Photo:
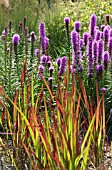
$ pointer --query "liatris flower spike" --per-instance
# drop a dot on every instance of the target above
(40, 68)
(108, 19)
(43, 59)
(32, 36)
(42, 32)
(77, 26)
(100, 50)
(89, 54)
(74, 38)
(25, 19)
(37, 53)
(93, 21)
(66, 21)
(103, 89)
(99, 70)
(85, 37)
(106, 35)
(105, 59)
(10, 26)
(110, 48)
(95, 52)
(16, 39)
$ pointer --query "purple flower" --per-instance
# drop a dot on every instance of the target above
(49, 63)
(25, 18)
(95, 52)
(41, 68)
(99, 70)
(50, 79)
(102, 27)
(10, 25)
(26, 31)
(15, 39)
(110, 33)
(37, 53)
(110, 48)
(89, 54)
(42, 32)
(89, 75)
(51, 68)
(105, 59)
(0, 37)
(77, 26)
(43, 59)
(4, 32)
(85, 37)
(103, 89)
(93, 20)
(48, 59)
(32, 36)
(108, 19)
(100, 50)
(21, 24)
(62, 65)
(97, 35)
(66, 20)
(45, 42)
(81, 43)
(106, 34)
(58, 61)
(80, 68)
(74, 38)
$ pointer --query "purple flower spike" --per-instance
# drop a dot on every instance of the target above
(102, 27)
(50, 79)
(25, 18)
(58, 61)
(108, 19)
(89, 54)
(89, 75)
(105, 59)
(77, 26)
(99, 70)
(93, 21)
(98, 35)
(41, 68)
(4, 32)
(106, 34)
(95, 52)
(100, 50)
(42, 32)
(32, 36)
(62, 65)
(110, 33)
(103, 89)
(37, 53)
(85, 37)
(48, 59)
(51, 68)
(15, 39)
(21, 24)
(45, 43)
(74, 38)
(66, 20)
(110, 48)
(81, 43)
(43, 59)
